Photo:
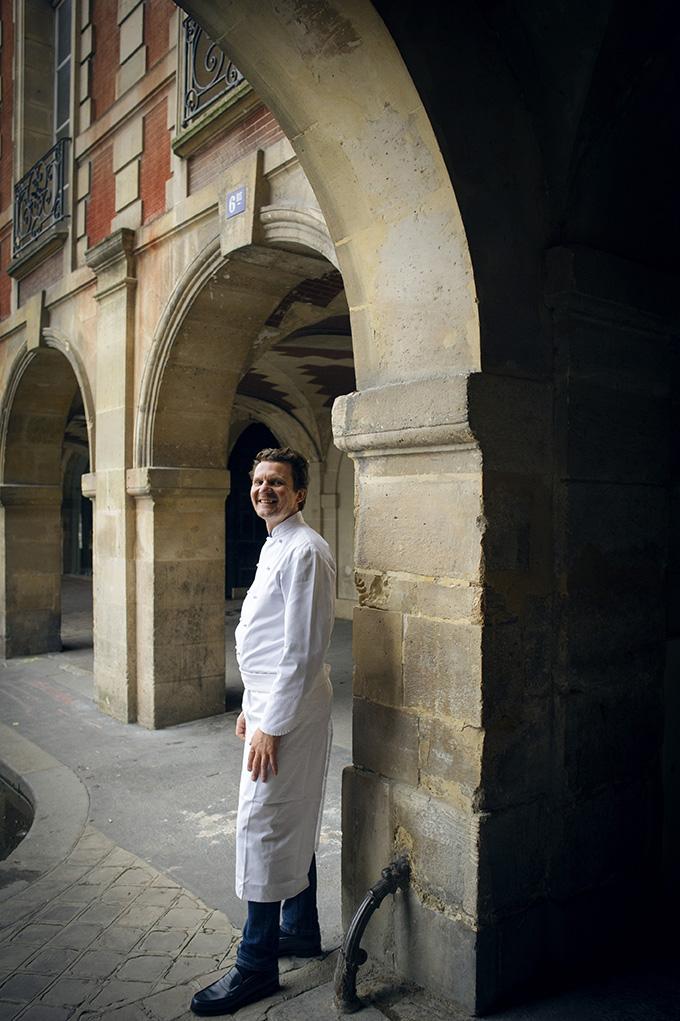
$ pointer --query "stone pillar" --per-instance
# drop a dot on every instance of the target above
(613, 338)
(31, 581)
(417, 725)
(180, 593)
(113, 540)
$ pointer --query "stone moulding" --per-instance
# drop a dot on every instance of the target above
(283, 225)
(154, 482)
(405, 418)
(280, 423)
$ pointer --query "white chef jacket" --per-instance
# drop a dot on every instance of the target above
(281, 641)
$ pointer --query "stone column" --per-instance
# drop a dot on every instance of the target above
(113, 540)
(180, 593)
(30, 610)
(417, 726)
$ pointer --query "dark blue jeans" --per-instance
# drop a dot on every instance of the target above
(258, 949)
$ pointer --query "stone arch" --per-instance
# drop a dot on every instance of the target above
(40, 390)
(336, 82)
(189, 285)
(20, 376)
(281, 424)
(377, 172)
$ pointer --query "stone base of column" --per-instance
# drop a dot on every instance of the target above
(30, 605)
(180, 593)
(428, 932)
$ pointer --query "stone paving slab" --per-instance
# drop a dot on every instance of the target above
(72, 952)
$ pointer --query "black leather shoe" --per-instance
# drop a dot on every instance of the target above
(234, 990)
(297, 946)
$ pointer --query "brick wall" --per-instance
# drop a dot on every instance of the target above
(256, 131)
(6, 148)
(155, 163)
(157, 15)
(5, 281)
(105, 58)
(101, 202)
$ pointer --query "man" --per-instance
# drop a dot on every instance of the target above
(281, 643)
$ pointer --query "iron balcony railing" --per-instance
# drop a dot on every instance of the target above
(208, 73)
(39, 197)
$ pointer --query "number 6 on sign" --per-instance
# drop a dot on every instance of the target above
(236, 201)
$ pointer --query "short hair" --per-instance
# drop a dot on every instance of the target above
(286, 455)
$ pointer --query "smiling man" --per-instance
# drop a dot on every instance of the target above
(281, 643)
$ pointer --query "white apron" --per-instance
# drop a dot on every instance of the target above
(279, 822)
(281, 642)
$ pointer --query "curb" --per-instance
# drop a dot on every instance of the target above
(61, 808)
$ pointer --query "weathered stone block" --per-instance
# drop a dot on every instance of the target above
(180, 701)
(614, 433)
(514, 856)
(442, 668)
(436, 951)
(385, 740)
(442, 839)
(516, 543)
(367, 846)
(128, 142)
(131, 32)
(131, 71)
(518, 754)
(377, 639)
(611, 837)
(429, 527)
(449, 756)
(609, 736)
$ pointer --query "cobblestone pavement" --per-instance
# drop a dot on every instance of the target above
(106, 936)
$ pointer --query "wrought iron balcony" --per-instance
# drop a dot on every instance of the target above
(39, 200)
(208, 73)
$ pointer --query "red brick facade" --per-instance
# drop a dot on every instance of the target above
(154, 170)
(157, 15)
(101, 205)
(6, 61)
(105, 58)
(258, 130)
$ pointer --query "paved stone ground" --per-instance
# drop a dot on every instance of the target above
(111, 907)
(104, 935)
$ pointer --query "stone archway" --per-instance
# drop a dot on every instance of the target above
(342, 94)
(40, 391)
(225, 312)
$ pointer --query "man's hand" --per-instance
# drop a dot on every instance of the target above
(263, 755)
(241, 726)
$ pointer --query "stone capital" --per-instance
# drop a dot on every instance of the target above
(404, 417)
(178, 482)
(88, 485)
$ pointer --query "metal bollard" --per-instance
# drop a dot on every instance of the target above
(394, 877)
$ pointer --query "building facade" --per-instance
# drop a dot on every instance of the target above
(404, 241)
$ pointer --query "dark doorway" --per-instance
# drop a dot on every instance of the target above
(245, 531)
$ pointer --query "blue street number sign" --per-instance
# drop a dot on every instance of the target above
(236, 201)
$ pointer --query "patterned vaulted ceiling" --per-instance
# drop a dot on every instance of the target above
(305, 372)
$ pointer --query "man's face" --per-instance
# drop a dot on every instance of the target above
(273, 493)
